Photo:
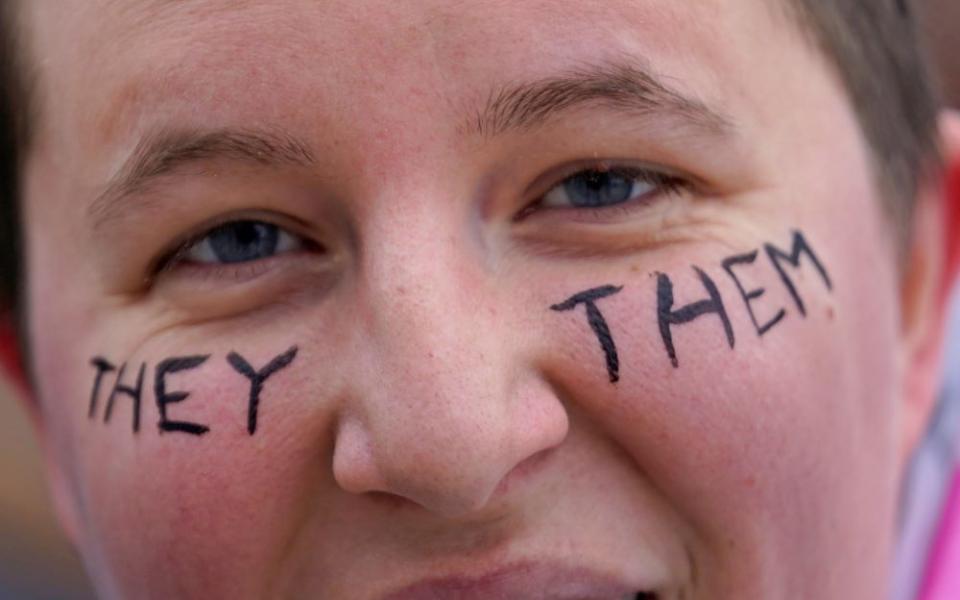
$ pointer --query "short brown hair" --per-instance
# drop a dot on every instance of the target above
(872, 44)
(875, 48)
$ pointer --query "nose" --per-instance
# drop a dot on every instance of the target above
(446, 406)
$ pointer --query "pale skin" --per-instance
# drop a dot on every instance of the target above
(439, 419)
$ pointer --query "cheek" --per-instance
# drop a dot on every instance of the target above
(169, 511)
(754, 444)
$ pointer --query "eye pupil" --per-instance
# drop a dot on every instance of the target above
(244, 241)
(598, 188)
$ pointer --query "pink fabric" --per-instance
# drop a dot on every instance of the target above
(942, 580)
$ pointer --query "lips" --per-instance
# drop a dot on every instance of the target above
(524, 581)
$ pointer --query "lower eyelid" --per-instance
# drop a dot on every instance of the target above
(230, 272)
(236, 273)
(206, 293)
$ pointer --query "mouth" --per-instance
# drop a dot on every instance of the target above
(527, 581)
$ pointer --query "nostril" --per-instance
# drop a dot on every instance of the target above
(391, 501)
(526, 468)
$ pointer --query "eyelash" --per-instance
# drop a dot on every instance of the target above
(174, 259)
(664, 184)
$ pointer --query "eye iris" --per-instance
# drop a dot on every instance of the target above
(598, 188)
(244, 241)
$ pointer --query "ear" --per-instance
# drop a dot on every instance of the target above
(929, 278)
(13, 374)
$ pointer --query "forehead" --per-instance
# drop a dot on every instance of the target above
(110, 67)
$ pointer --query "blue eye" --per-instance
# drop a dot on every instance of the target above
(598, 188)
(240, 242)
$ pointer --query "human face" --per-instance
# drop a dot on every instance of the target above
(426, 273)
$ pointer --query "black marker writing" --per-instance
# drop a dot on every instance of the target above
(103, 366)
(597, 323)
(164, 398)
(668, 317)
(748, 297)
(133, 392)
(257, 379)
(800, 248)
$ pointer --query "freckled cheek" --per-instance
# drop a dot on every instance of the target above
(761, 429)
(179, 499)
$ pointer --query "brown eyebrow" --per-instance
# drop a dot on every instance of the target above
(622, 85)
(164, 152)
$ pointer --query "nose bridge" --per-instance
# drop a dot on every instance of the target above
(424, 293)
(415, 276)
(440, 419)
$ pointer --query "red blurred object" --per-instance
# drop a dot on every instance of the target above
(10, 360)
(952, 214)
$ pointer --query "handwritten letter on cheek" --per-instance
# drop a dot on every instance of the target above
(711, 305)
(166, 400)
